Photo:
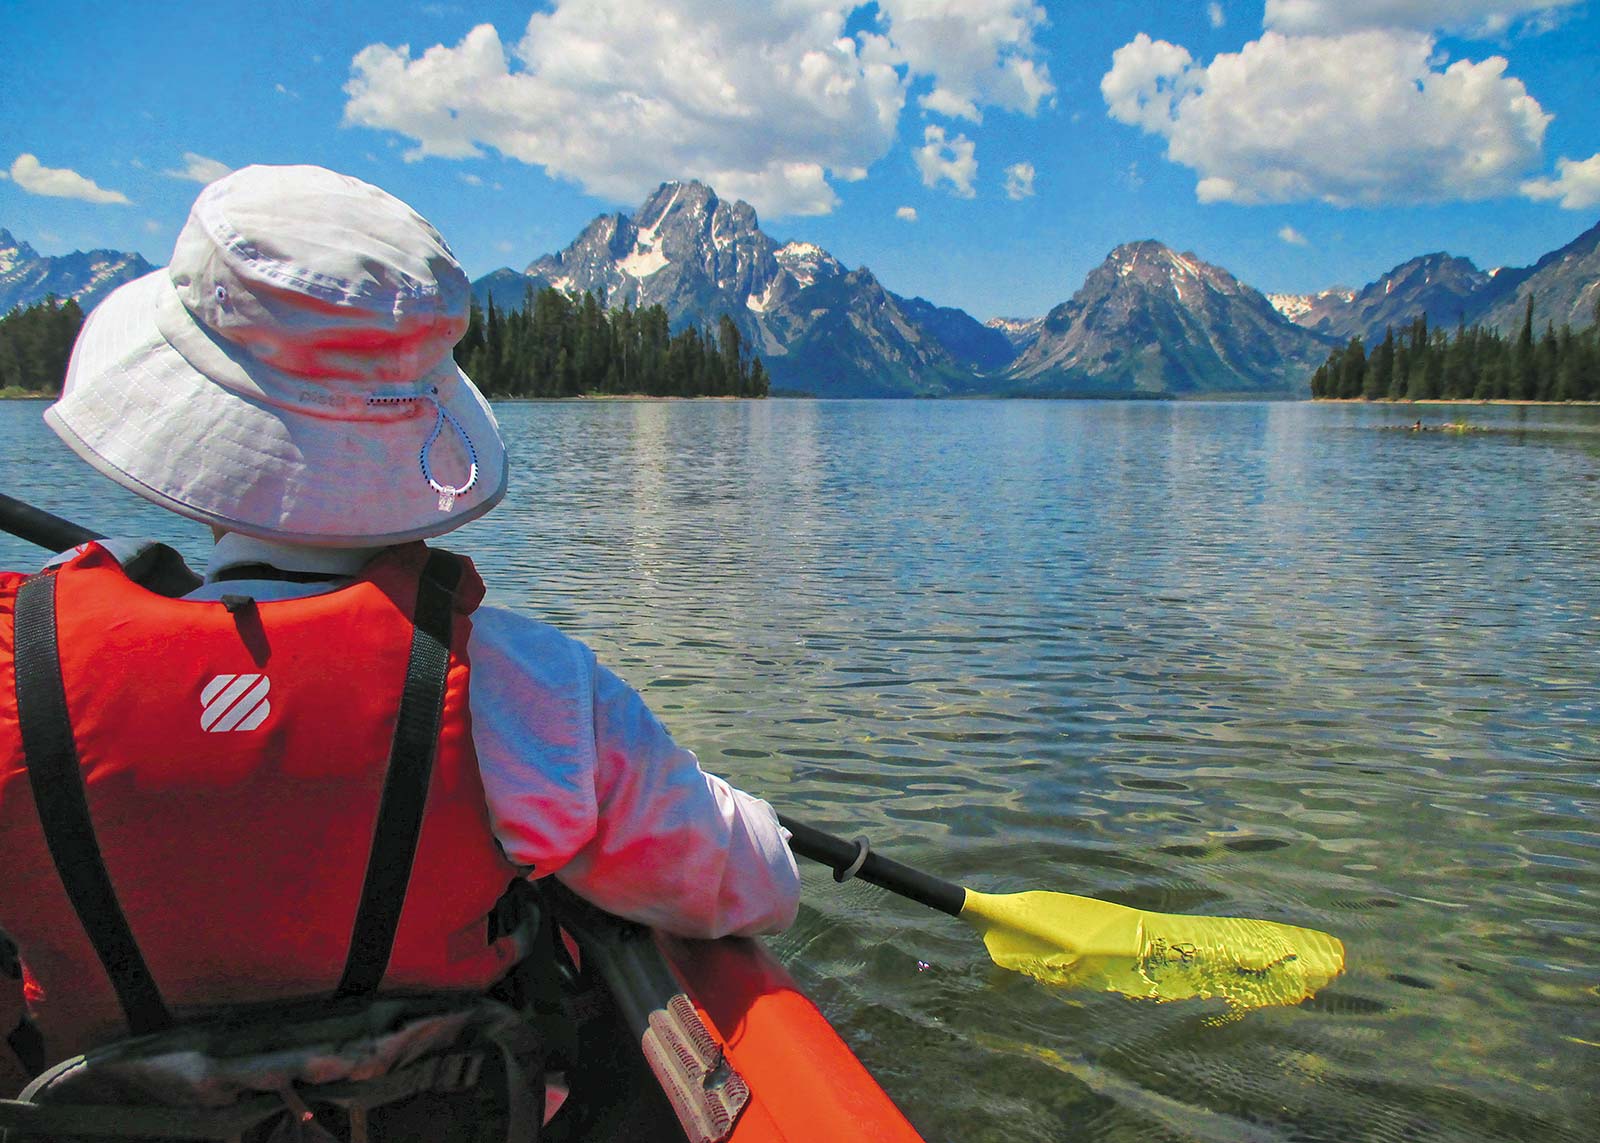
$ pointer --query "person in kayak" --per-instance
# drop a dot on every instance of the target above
(288, 381)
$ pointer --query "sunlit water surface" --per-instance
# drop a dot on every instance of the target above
(1262, 660)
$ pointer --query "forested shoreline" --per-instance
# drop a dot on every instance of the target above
(556, 345)
(566, 345)
(1475, 364)
(35, 346)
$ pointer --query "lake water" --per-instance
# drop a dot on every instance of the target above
(1268, 660)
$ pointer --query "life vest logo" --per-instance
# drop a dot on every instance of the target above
(234, 702)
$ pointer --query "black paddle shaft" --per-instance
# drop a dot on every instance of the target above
(39, 527)
(157, 566)
(844, 856)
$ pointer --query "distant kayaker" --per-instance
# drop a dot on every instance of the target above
(288, 381)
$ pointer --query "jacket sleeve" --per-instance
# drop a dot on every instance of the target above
(583, 781)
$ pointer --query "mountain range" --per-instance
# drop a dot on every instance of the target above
(27, 277)
(1149, 321)
(1447, 290)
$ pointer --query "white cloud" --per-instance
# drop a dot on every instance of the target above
(151, 226)
(286, 91)
(1577, 183)
(1292, 236)
(1144, 80)
(1480, 17)
(470, 179)
(58, 182)
(1019, 180)
(947, 160)
(1215, 14)
(771, 103)
(198, 168)
(1369, 117)
(4, 176)
(979, 52)
(906, 214)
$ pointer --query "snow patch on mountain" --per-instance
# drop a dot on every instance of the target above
(644, 261)
(1183, 263)
(807, 263)
(27, 278)
(758, 303)
(1291, 306)
(1013, 327)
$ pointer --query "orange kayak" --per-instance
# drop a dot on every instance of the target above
(713, 1042)
(805, 1082)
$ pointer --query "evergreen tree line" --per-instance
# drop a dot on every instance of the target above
(563, 345)
(1476, 364)
(35, 345)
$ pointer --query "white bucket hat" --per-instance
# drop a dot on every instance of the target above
(289, 375)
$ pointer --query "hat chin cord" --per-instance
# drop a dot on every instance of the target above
(447, 492)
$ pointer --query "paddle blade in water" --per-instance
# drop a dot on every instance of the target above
(1085, 943)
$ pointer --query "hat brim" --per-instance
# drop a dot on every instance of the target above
(141, 412)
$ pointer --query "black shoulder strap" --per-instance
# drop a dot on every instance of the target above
(405, 789)
(63, 806)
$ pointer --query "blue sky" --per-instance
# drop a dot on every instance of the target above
(980, 153)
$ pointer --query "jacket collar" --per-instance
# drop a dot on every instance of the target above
(235, 549)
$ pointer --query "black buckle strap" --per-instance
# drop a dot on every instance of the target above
(51, 758)
(405, 789)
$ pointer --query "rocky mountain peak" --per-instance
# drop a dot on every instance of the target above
(13, 251)
(682, 245)
(1437, 286)
(690, 199)
(1151, 320)
(808, 264)
(1438, 270)
(1155, 263)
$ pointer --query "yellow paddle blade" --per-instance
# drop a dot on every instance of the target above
(1085, 943)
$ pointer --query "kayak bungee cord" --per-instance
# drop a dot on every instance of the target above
(1057, 938)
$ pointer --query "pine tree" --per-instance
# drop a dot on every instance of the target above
(36, 345)
(1380, 368)
(1352, 369)
(1527, 369)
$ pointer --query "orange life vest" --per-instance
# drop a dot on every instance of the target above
(233, 758)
